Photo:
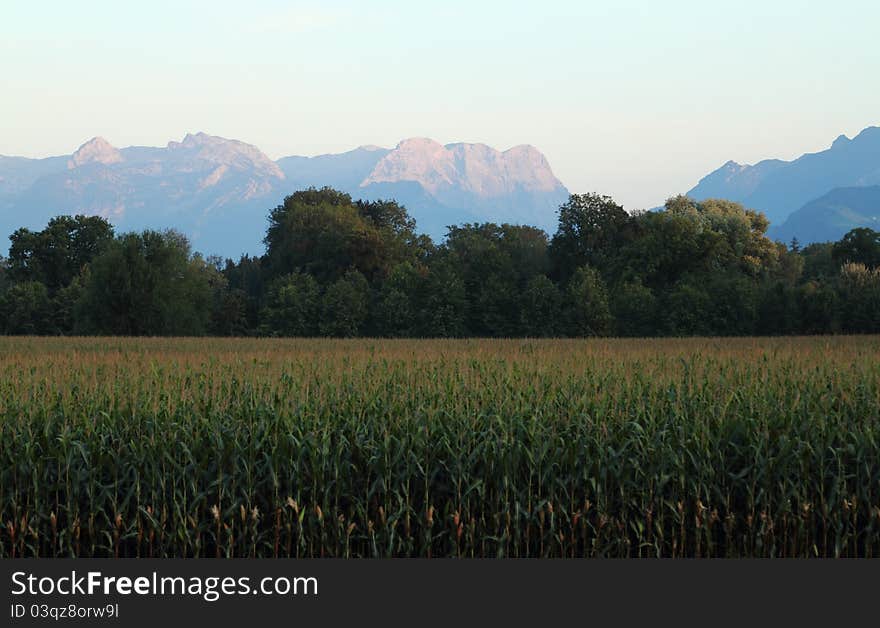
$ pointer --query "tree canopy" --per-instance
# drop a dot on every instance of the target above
(338, 267)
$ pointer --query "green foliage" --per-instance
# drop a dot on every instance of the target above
(245, 281)
(819, 308)
(859, 246)
(778, 310)
(541, 308)
(634, 307)
(444, 310)
(293, 305)
(344, 306)
(396, 311)
(26, 309)
(473, 448)
(323, 233)
(339, 267)
(147, 284)
(591, 228)
(495, 264)
(685, 309)
(588, 310)
(819, 263)
(229, 316)
(57, 254)
(670, 246)
(860, 297)
(64, 305)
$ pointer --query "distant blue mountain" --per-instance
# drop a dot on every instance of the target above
(780, 188)
(219, 192)
(832, 215)
(341, 171)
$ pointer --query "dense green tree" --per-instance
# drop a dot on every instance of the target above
(443, 311)
(819, 263)
(398, 229)
(741, 230)
(591, 230)
(670, 246)
(860, 298)
(587, 305)
(147, 284)
(340, 267)
(4, 286)
(293, 306)
(541, 308)
(495, 264)
(229, 316)
(634, 308)
(720, 304)
(64, 304)
(789, 267)
(58, 253)
(778, 311)
(734, 300)
(685, 309)
(819, 308)
(245, 281)
(26, 309)
(344, 306)
(397, 307)
(324, 233)
(859, 246)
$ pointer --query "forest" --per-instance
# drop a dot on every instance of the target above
(337, 267)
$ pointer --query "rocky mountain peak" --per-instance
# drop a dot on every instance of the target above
(218, 190)
(233, 154)
(96, 150)
(474, 168)
(842, 140)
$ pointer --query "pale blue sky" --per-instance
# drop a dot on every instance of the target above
(633, 99)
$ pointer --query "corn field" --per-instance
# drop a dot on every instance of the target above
(470, 448)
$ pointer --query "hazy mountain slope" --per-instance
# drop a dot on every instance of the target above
(441, 185)
(779, 188)
(734, 181)
(831, 216)
(220, 191)
(17, 174)
(468, 182)
(343, 171)
(195, 186)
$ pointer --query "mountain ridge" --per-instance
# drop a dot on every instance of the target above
(781, 188)
(832, 215)
(219, 191)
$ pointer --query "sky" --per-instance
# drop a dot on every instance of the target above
(637, 100)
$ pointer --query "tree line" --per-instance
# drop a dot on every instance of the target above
(338, 267)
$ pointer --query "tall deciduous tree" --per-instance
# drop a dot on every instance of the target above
(859, 246)
(495, 264)
(587, 302)
(344, 306)
(591, 229)
(26, 309)
(293, 306)
(324, 233)
(148, 284)
(58, 253)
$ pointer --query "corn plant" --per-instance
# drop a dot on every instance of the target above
(439, 448)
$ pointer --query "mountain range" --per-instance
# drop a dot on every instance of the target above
(220, 191)
(817, 197)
